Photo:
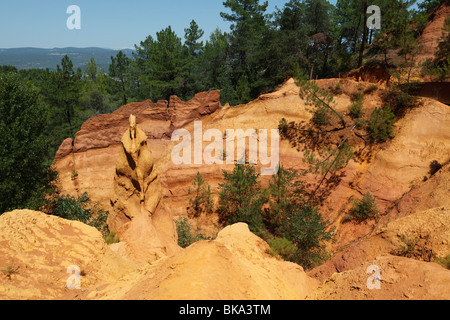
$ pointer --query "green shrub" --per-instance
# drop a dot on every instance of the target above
(289, 216)
(201, 200)
(337, 89)
(360, 123)
(9, 271)
(356, 109)
(112, 238)
(321, 116)
(282, 247)
(74, 174)
(400, 101)
(409, 247)
(80, 209)
(308, 231)
(241, 198)
(26, 177)
(445, 261)
(365, 208)
(380, 124)
(186, 236)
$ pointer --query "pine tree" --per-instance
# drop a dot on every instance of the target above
(120, 69)
(194, 49)
(241, 198)
(201, 201)
(248, 26)
(25, 175)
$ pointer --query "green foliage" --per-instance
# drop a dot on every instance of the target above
(321, 116)
(74, 174)
(25, 175)
(427, 5)
(8, 69)
(308, 231)
(241, 198)
(328, 159)
(186, 236)
(380, 124)
(290, 216)
(63, 94)
(444, 261)
(400, 101)
(365, 207)
(321, 101)
(294, 229)
(286, 192)
(282, 247)
(112, 238)
(409, 246)
(356, 109)
(337, 89)
(201, 201)
(249, 28)
(192, 36)
(9, 271)
(119, 70)
(80, 209)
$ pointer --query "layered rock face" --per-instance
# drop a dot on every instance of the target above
(134, 198)
(388, 174)
(432, 33)
(97, 145)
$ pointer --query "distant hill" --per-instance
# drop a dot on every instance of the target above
(38, 58)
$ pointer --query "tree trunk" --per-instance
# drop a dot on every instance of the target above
(364, 39)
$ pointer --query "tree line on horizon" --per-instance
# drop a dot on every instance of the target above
(311, 38)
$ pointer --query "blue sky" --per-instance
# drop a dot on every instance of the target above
(114, 24)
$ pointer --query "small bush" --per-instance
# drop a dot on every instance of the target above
(201, 201)
(360, 123)
(321, 116)
(80, 209)
(9, 271)
(112, 238)
(380, 124)
(337, 89)
(241, 198)
(282, 247)
(445, 261)
(186, 236)
(400, 102)
(365, 208)
(356, 109)
(74, 174)
(409, 247)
